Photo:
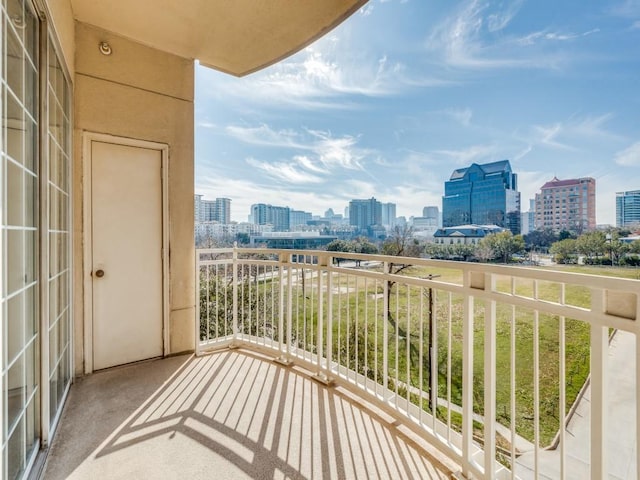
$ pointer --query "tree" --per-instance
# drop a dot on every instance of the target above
(564, 251)
(591, 244)
(401, 243)
(540, 238)
(503, 244)
(363, 245)
(242, 238)
(617, 249)
(340, 246)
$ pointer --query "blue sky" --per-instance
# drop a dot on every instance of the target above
(405, 91)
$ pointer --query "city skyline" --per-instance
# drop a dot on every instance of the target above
(550, 87)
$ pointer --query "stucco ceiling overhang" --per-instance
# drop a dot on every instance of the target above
(235, 36)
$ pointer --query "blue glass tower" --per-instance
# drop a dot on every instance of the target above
(482, 195)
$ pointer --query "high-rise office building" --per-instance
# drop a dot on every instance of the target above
(264, 214)
(628, 208)
(430, 216)
(222, 210)
(482, 195)
(197, 208)
(298, 217)
(431, 212)
(528, 219)
(365, 213)
(388, 217)
(567, 205)
(218, 210)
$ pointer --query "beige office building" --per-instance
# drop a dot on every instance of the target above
(566, 205)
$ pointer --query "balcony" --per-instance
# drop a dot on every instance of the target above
(316, 364)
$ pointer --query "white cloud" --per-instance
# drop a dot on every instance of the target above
(626, 8)
(318, 77)
(534, 37)
(328, 151)
(547, 136)
(366, 10)
(529, 183)
(499, 20)
(477, 37)
(630, 156)
(309, 164)
(571, 135)
(287, 172)
(460, 38)
(465, 156)
(463, 116)
(265, 136)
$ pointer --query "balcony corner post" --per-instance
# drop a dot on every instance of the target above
(385, 333)
(198, 320)
(283, 357)
(235, 292)
(467, 375)
(329, 314)
(321, 374)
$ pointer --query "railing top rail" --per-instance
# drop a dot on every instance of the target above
(581, 279)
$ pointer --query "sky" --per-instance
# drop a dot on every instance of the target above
(403, 92)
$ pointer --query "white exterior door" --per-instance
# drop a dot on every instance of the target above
(127, 240)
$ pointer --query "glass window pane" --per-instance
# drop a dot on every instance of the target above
(15, 391)
(54, 222)
(53, 346)
(15, 263)
(32, 425)
(54, 163)
(31, 256)
(15, 63)
(15, 194)
(31, 195)
(16, 454)
(15, 129)
(31, 326)
(31, 146)
(31, 36)
(32, 368)
(15, 326)
(53, 298)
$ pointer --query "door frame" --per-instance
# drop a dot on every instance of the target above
(87, 139)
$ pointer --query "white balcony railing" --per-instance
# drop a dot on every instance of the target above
(502, 355)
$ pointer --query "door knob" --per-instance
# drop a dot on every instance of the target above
(100, 273)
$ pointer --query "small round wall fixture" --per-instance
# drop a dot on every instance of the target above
(18, 21)
(105, 48)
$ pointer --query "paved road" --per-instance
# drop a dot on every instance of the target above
(621, 435)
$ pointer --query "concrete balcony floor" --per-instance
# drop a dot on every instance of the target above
(231, 414)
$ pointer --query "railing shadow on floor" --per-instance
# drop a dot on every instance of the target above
(245, 416)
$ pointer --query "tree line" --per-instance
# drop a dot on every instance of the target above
(494, 247)
(597, 248)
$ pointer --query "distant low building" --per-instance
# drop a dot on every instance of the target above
(466, 234)
(293, 240)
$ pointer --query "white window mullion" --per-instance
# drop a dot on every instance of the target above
(44, 239)
(3, 203)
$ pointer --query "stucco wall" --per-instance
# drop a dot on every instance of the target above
(141, 93)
